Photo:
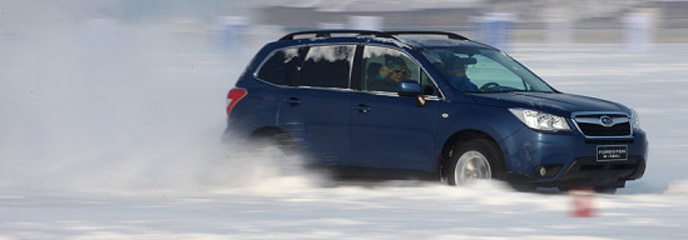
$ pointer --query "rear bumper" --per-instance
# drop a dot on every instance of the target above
(236, 131)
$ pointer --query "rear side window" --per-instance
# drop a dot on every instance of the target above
(327, 66)
(280, 68)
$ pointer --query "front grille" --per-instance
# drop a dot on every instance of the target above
(591, 125)
(609, 142)
(623, 129)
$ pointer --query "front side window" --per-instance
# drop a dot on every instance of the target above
(483, 70)
(385, 67)
(281, 67)
(327, 66)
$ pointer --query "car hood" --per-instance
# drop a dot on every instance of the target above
(555, 103)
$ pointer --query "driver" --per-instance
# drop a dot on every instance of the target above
(456, 74)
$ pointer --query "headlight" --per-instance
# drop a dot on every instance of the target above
(540, 121)
(636, 119)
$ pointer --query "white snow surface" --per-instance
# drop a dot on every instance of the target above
(111, 131)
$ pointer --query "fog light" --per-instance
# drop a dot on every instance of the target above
(543, 171)
(547, 170)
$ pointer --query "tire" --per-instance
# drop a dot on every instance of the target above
(474, 159)
(279, 140)
(277, 151)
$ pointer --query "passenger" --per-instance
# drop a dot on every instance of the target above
(388, 76)
(456, 74)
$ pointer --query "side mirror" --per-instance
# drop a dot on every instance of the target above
(408, 89)
(411, 89)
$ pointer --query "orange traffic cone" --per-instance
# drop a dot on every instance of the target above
(582, 201)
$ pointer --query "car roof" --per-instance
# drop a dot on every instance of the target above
(411, 39)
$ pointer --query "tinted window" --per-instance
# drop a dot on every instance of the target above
(280, 68)
(486, 69)
(327, 66)
(385, 67)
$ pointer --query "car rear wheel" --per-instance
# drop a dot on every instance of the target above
(474, 159)
(277, 150)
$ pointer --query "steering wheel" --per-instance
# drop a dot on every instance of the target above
(490, 86)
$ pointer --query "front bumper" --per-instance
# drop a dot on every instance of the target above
(589, 172)
(570, 159)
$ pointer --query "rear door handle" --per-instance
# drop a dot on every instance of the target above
(292, 101)
(362, 108)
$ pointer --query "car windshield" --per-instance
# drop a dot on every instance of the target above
(482, 70)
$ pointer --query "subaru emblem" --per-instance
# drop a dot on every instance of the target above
(606, 121)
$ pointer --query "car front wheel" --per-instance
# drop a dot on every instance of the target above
(474, 159)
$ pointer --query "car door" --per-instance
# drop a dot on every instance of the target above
(316, 112)
(387, 130)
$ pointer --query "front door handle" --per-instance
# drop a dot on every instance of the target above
(292, 101)
(362, 108)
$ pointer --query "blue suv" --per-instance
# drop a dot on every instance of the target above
(432, 105)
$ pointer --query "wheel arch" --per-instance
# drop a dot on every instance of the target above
(282, 137)
(458, 138)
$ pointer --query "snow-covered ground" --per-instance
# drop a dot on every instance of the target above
(111, 131)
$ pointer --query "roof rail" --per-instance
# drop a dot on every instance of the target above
(448, 34)
(328, 33)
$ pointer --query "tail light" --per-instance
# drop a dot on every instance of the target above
(233, 97)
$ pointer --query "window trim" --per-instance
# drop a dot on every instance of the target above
(269, 56)
(440, 95)
(358, 58)
(301, 60)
